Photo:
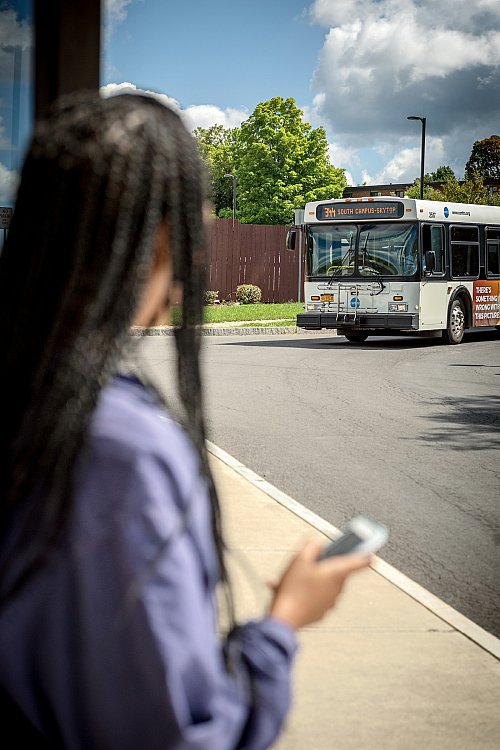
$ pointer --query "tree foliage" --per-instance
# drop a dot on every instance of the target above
(485, 158)
(279, 160)
(441, 174)
(430, 193)
(281, 163)
(216, 145)
(471, 190)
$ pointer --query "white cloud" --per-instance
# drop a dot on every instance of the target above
(115, 12)
(405, 49)
(4, 138)
(194, 116)
(343, 156)
(385, 59)
(349, 178)
(13, 33)
(389, 46)
(311, 114)
(399, 161)
(110, 89)
(8, 184)
(205, 115)
(404, 165)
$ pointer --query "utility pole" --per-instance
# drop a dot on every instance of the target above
(423, 120)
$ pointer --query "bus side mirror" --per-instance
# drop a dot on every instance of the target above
(290, 239)
(430, 261)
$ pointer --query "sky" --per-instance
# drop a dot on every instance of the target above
(359, 68)
(16, 102)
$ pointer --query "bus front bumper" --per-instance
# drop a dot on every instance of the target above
(316, 321)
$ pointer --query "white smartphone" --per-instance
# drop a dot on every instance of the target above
(361, 535)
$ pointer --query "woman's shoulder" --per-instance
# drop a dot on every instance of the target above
(129, 423)
(139, 467)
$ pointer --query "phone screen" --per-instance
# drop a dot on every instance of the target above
(345, 544)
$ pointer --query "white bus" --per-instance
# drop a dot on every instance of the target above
(380, 265)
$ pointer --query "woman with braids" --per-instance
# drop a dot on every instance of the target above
(110, 537)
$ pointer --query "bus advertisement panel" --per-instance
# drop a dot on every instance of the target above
(486, 303)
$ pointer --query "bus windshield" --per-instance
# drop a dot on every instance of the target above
(388, 249)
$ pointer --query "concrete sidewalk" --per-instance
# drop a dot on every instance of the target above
(391, 668)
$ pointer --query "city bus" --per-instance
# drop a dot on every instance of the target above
(375, 266)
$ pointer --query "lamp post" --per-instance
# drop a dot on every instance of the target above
(423, 120)
(234, 194)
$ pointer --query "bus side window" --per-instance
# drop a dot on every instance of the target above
(493, 251)
(493, 259)
(433, 239)
(464, 251)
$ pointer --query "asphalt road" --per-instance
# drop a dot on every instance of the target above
(403, 429)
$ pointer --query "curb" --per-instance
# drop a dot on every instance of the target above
(459, 622)
(207, 331)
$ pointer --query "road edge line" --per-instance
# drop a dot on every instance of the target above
(445, 612)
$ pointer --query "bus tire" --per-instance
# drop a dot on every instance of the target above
(454, 332)
(355, 337)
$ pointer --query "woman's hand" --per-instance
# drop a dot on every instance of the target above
(309, 587)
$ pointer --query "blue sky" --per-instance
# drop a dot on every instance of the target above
(228, 53)
(357, 67)
(16, 101)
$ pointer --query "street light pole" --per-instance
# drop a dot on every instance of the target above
(423, 120)
(234, 195)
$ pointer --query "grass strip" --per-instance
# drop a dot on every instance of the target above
(227, 313)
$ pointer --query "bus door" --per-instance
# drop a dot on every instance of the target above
(433, 289)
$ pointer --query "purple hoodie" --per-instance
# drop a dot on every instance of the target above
(114, 644)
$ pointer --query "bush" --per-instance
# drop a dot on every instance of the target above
(210, 298)
(248, 294)
(225, 213)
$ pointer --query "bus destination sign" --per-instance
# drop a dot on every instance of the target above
(354, 211)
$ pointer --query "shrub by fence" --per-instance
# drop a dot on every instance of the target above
(251, 254)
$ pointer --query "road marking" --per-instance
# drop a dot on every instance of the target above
(459, 622)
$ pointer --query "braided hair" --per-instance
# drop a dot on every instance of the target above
(100, 177)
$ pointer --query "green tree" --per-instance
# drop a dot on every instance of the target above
(430, 193)
(485, 158)
(281, 163)
(441, 174)
(472, 190)
(216, 146)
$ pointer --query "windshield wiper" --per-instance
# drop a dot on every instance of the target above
(364, 248)
(366, 263)
(338, 270)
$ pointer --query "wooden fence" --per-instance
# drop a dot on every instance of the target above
(251, 254)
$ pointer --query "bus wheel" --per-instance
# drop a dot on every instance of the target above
(357, 337)
(454, 333)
